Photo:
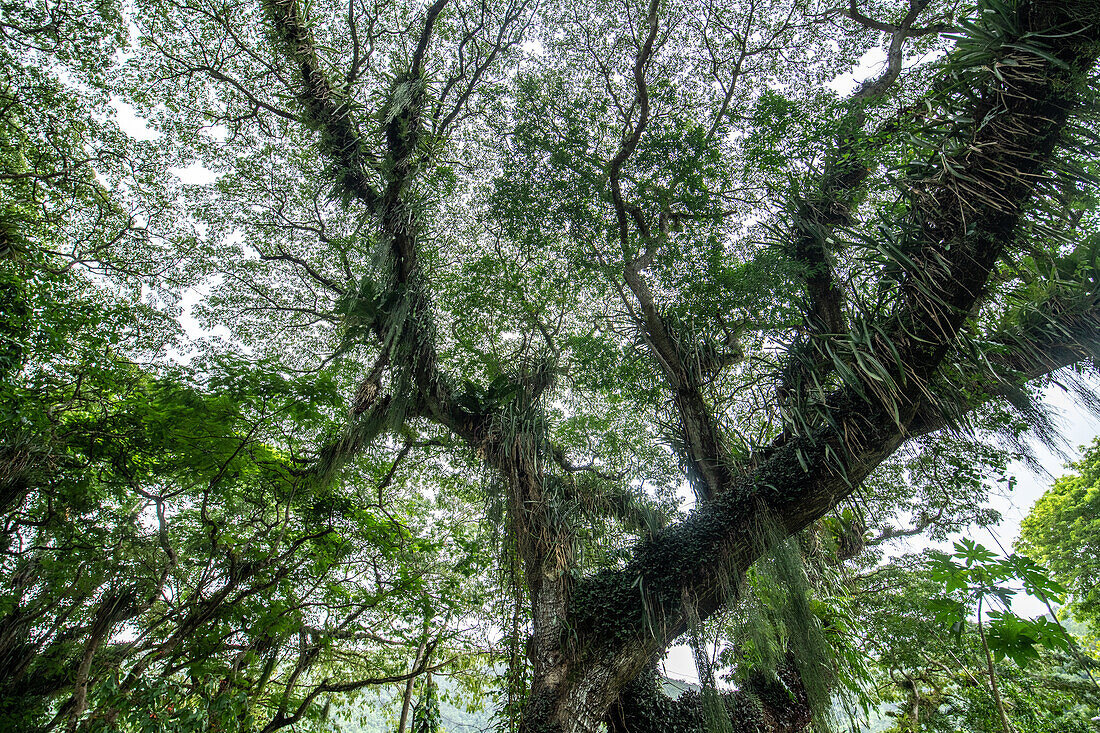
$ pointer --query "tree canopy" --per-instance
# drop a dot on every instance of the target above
(477, 289)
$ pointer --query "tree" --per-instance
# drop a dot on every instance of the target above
(938, 666)
(594, 251)
(1060, 531)
(982, 577)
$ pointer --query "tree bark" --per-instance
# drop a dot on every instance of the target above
(406, 703)
(993, 686)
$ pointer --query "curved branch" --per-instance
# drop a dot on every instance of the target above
(416, 66)
(324, 107)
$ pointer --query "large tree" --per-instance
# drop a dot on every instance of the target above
(594, 251)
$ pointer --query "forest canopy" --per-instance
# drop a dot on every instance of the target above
(517, 341)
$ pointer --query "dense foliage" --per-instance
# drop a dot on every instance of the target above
(1062, 532)
(387, 340)
(937, 669)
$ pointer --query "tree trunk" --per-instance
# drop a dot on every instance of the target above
(1005, 725)
(410, 683)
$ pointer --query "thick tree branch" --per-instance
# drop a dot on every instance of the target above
(416, 66)
(852, 12)
(707, 455)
